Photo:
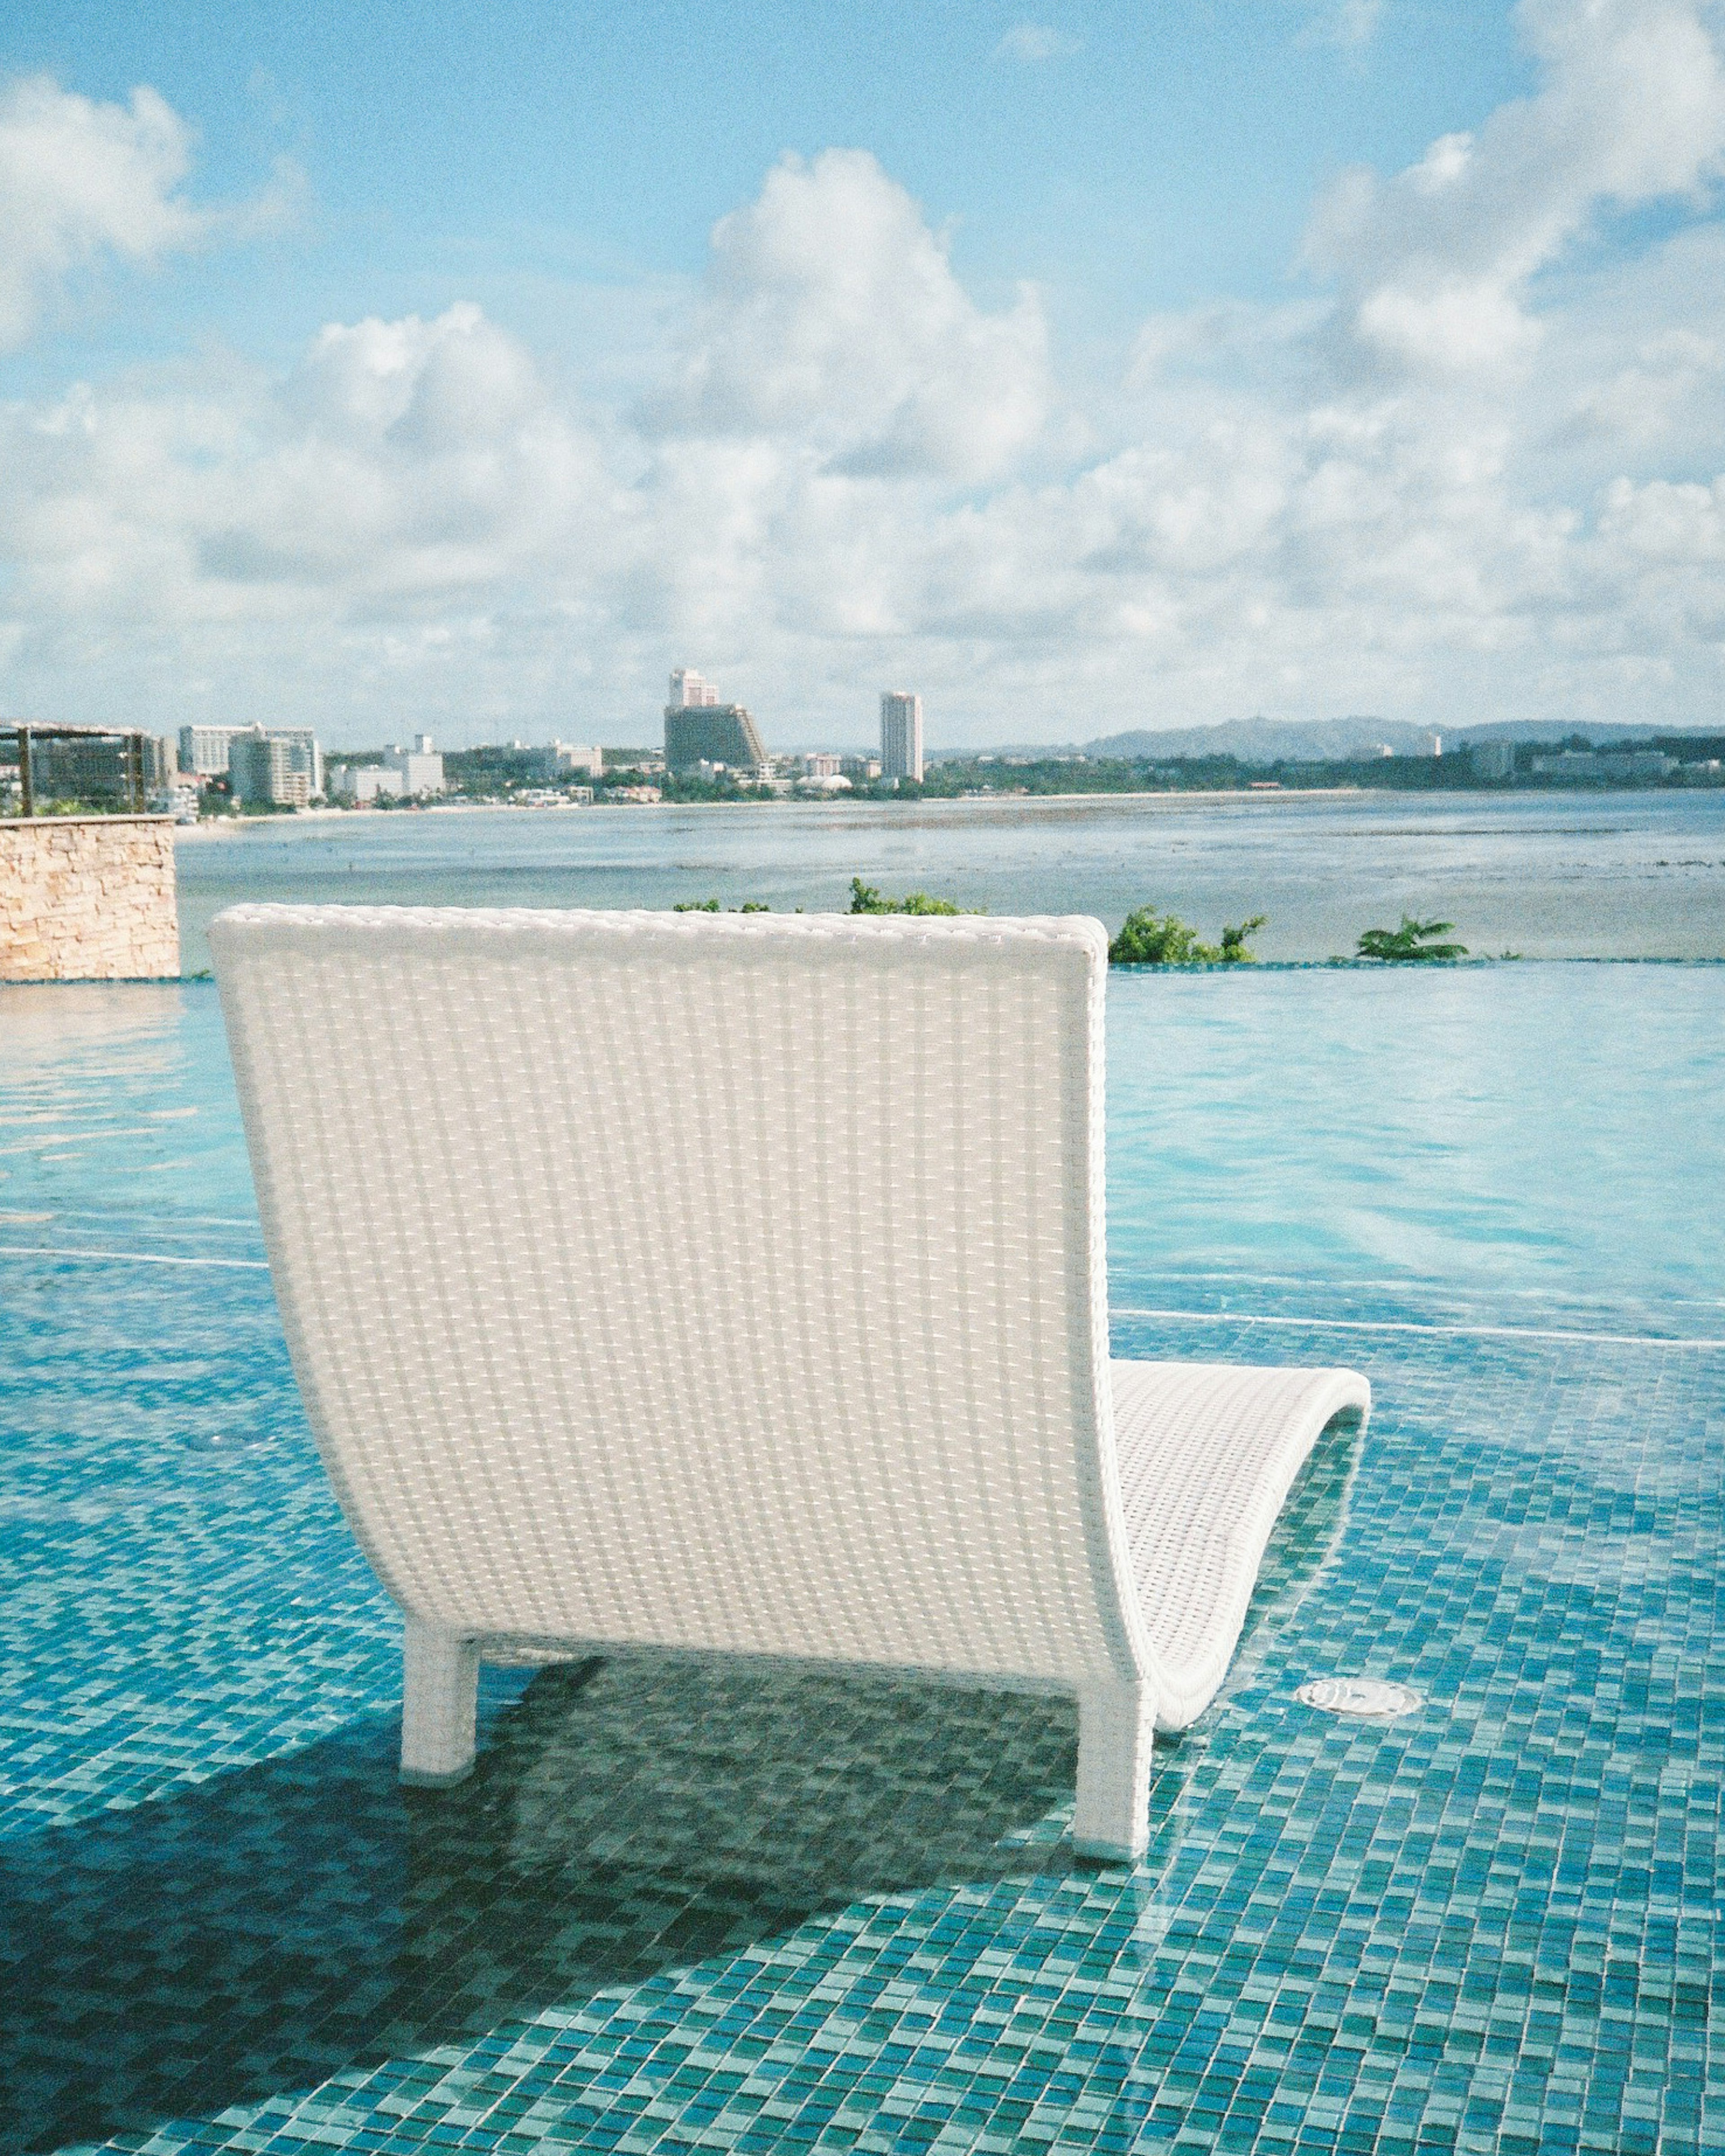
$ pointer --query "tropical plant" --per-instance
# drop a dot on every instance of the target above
(1413, 940)
(864, 898)
(1149, 938)
(1235, 941)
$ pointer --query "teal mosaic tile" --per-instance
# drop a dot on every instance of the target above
(704, 1906)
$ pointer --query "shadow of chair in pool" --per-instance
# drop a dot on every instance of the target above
(265, 1930)
(269, 1928)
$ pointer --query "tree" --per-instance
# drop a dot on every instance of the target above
(1149, 938)
(1413, 940)
(1235, 941)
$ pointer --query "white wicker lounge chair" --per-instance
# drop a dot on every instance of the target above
(737, 1283)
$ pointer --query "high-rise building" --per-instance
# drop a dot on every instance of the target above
(713, 733)
(93, 766)
(203, 750)
(900, 734)
(305, 754)
(266, 767)
(206, 751)
(689, 692)
(701, 729)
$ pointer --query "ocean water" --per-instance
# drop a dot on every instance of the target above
(1565, 875)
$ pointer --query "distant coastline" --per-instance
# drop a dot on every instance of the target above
(839, 805)
(231, 827)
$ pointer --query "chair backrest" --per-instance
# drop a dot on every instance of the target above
(729, 1281)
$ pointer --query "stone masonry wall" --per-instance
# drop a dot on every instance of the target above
(88, 898)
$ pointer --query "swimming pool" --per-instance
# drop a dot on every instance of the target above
(680, 1909)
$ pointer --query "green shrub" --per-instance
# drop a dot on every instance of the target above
(1149, 938)
(864, 898)
(1234, 950)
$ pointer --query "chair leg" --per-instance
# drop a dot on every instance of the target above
(440, 1707)
(1110, 1820)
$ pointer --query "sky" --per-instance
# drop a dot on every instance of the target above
(459, 369)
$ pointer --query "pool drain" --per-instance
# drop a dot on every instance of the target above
(1367, 1699)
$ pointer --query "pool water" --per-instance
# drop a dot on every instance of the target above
(683, 1907)
(1531, 1143)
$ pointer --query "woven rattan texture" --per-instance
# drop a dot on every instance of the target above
(1208, 1451)
(733, 1283)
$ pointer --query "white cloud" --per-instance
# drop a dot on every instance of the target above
(1351, 25)
(848, 470)
(1436, 263)
(1666, 523)
(80, 181)
(831, 317)
(403, 467)
(1033, 43)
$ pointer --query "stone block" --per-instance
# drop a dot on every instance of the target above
(88, 898)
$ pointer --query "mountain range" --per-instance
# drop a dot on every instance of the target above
(1262, 741)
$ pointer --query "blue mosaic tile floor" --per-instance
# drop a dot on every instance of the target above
(686, 1906)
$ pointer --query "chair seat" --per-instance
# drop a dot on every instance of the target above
(1206, 1453)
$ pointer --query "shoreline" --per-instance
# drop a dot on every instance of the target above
(224, 827)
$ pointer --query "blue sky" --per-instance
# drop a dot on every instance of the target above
(1088, 366)
(1156, 153)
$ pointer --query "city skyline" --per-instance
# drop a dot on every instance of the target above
(202, 751)
(1095, 372)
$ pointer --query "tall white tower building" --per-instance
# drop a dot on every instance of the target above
(900, 734)
(690, 693)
